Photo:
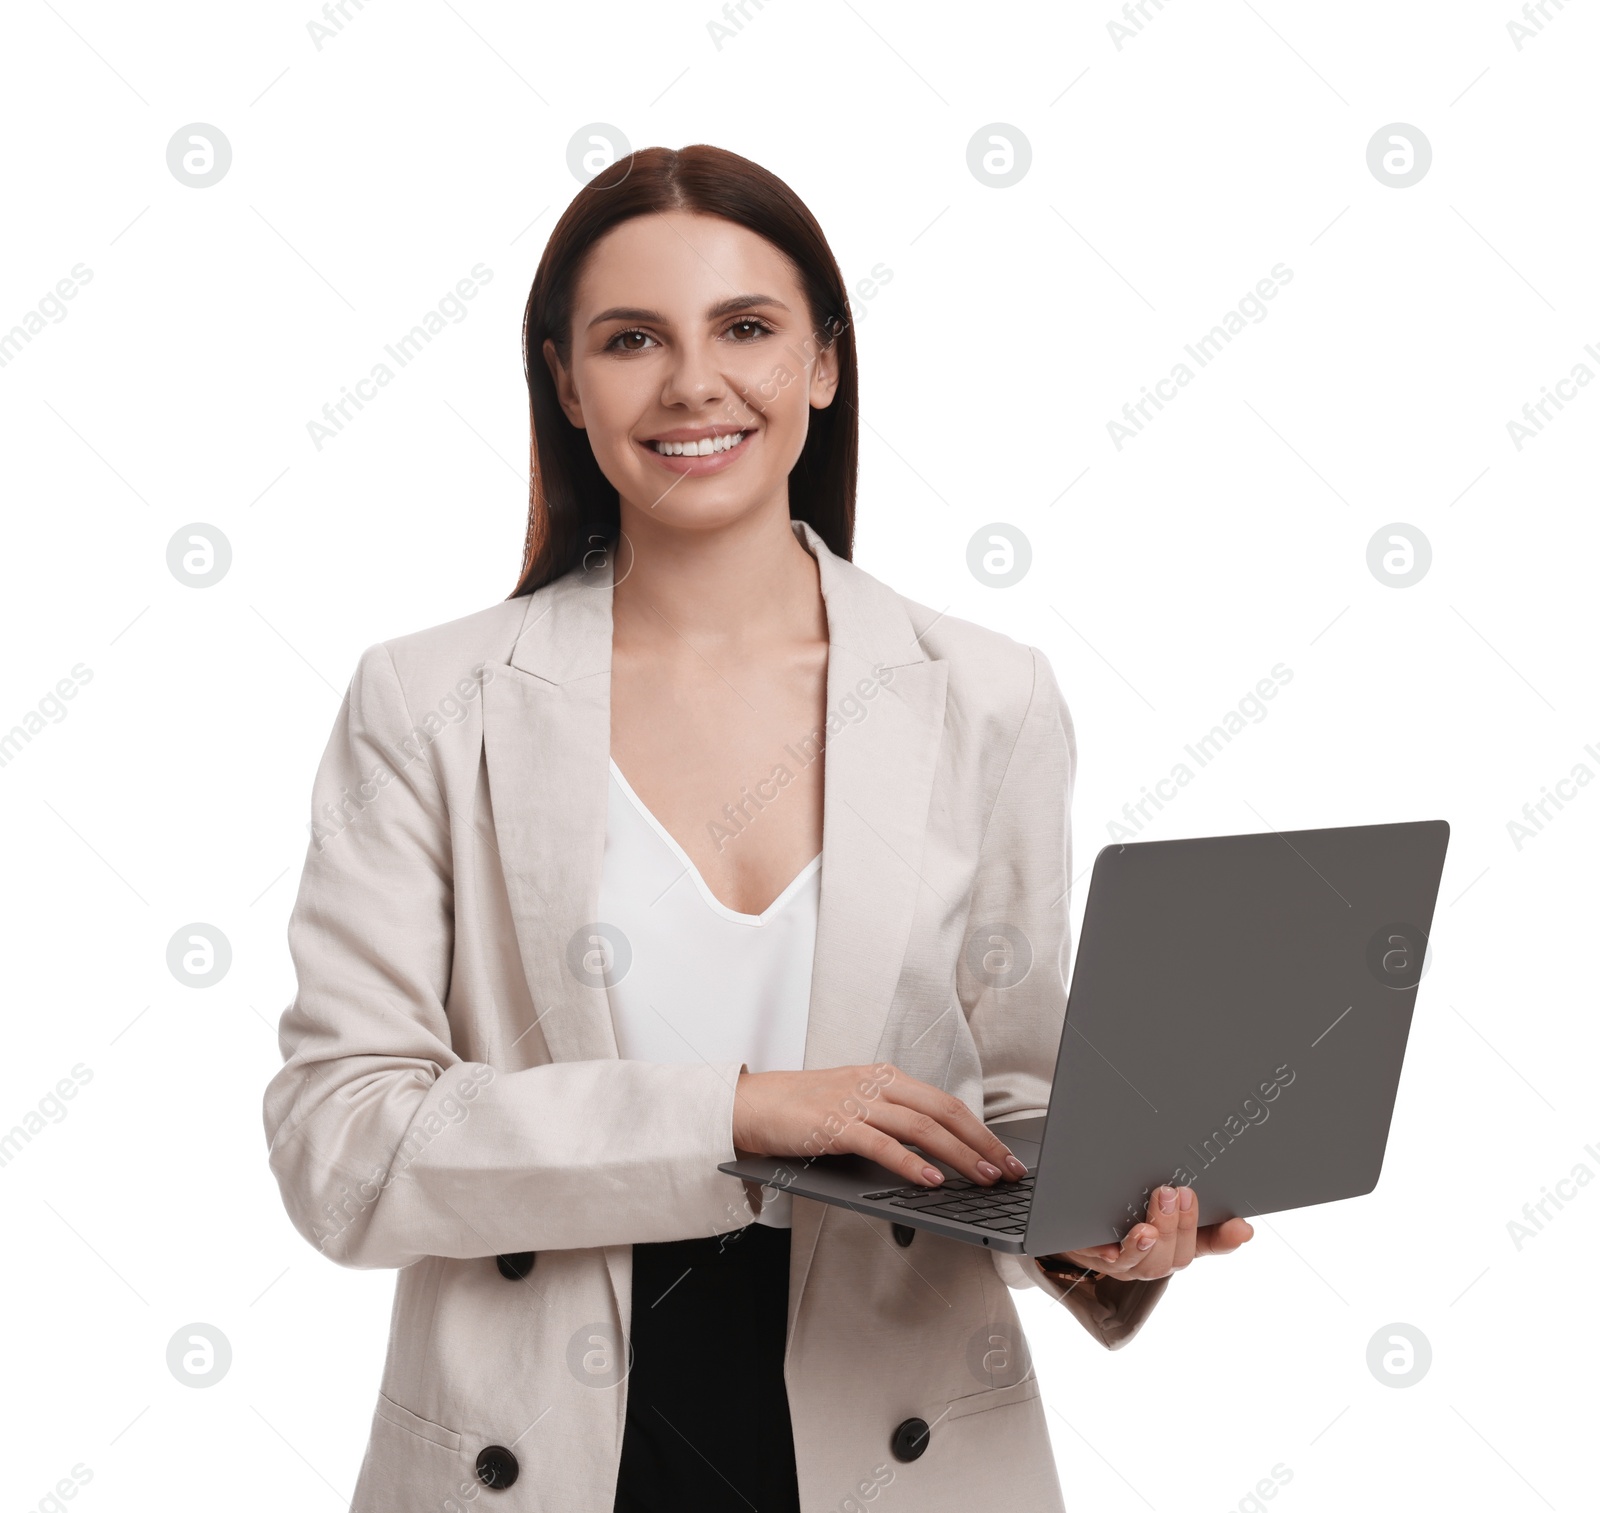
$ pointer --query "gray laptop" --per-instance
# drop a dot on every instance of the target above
(1236, 1024)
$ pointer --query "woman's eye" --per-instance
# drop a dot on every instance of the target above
(634, 340)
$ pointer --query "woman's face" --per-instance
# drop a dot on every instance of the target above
(691, 329)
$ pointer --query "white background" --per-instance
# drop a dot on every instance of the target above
(1168, 175)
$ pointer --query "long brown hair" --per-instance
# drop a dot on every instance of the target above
(572, 507)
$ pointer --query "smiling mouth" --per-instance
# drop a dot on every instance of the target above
(707, 446)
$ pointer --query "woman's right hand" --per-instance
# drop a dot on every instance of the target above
(868, 1111)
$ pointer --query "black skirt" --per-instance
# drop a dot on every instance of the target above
(708, 1415)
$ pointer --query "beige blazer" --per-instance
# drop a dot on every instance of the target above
(452, 1103)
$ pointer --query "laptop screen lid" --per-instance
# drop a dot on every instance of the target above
(1236, 1023)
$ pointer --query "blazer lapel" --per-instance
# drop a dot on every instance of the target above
(879, 761)
(878, 779)
(547, 742)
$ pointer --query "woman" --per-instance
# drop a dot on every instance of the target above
(587, 910)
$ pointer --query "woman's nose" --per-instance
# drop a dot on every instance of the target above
(694, 377)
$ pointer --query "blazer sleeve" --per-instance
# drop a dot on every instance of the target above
(1021, 903)
(387, 1144)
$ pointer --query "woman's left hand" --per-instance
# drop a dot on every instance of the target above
(1167, 1243)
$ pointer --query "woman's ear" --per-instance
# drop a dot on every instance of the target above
(566, 390)
(825, 376)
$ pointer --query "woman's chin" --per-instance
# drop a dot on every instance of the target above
(702, 509)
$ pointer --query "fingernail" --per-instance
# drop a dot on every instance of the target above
(932, 1174)
(1147, 1242)
(1015, 1167)
(1186, 1199)
(1169, 1200)
(989, 1170)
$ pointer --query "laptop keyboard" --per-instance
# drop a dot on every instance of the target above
(1002, 1208)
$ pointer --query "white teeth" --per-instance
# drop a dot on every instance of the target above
(702, 448)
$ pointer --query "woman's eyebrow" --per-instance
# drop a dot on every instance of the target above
(723, 307)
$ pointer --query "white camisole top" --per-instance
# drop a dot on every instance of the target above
(705, 983)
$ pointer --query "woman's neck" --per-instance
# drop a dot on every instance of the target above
(740, 584)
